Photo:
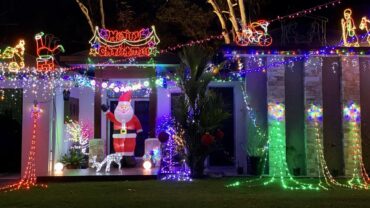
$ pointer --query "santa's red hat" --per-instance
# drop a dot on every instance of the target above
(125, 97)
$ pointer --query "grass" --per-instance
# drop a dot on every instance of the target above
(202, 193)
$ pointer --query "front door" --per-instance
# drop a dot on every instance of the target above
(11, 132)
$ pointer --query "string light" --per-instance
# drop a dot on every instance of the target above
(307, 11)
(113, 43)
(351, 113)
(79, 133)
(170, 168)
(29, 178)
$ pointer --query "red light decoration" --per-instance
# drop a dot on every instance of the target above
(29, 178)
(254, 34)
(114, 43)
(46, 49)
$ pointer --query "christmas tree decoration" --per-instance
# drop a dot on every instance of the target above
(13, 57)
(207, 139)
(173, 165)
(46, 49)
(113, 43)
(315, 116)
(352, 116)
(29, 178)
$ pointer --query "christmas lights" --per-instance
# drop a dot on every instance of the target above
(113, 43)
(171, 168)
(349, 35)
(14, 57)
(79, 133)
(46, 48)
(351, 113)
(254, 34)
(115, 157)
(364, 25)
(29, 178)
(307, 11)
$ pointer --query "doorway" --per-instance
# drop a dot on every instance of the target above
(11, 132)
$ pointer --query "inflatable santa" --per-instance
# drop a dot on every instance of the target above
(126, 125)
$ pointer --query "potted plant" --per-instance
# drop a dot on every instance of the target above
(73, 160)
(255, 150)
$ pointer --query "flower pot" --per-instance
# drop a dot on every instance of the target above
(254, 165)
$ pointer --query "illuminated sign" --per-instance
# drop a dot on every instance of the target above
(114, 43)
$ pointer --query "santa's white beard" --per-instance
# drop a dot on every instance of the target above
(124, 117)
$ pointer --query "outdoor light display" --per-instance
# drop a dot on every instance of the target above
(255, 34)
(349, 35)
(364, 25)
(46, 49)
(13, 57)
(172, 168)
(79, 134)
(114, 43)
(352, 117)
(29, 177)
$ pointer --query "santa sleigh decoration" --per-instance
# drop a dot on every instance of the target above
(126, 127)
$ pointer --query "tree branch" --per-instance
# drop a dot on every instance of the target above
(218, 12)
(242, 12)
(232, 18)
(85, 11)
(102, 13)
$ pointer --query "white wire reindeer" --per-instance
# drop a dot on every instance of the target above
(116, 157)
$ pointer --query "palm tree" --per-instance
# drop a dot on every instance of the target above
(201, 110)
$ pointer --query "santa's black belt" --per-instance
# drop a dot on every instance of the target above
(128, 131)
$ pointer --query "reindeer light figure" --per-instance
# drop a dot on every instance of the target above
(364, 25)
(14, 56)
(46, 48)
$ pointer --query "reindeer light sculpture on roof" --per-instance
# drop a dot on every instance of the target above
(46, 48)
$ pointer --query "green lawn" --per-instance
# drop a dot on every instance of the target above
(201, 193)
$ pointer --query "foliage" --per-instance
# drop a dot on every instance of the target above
(190, 20)
(73, 159)
(201, 110)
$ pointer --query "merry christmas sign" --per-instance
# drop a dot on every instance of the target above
(115, 43)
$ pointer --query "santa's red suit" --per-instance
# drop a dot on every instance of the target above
(125, 132)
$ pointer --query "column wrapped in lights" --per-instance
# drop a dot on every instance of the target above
(351, 114)
(29, 178)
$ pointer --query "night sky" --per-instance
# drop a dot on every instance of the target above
(63, 18)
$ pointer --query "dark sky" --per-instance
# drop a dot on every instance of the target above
(63, 18)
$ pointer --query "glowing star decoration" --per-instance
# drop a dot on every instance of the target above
(29, 177)
(352, 112)
(364, 25)
(349, 35)
(46, 49)
(255, 34)
(14, 57)
(114, 43)
(314, 113)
